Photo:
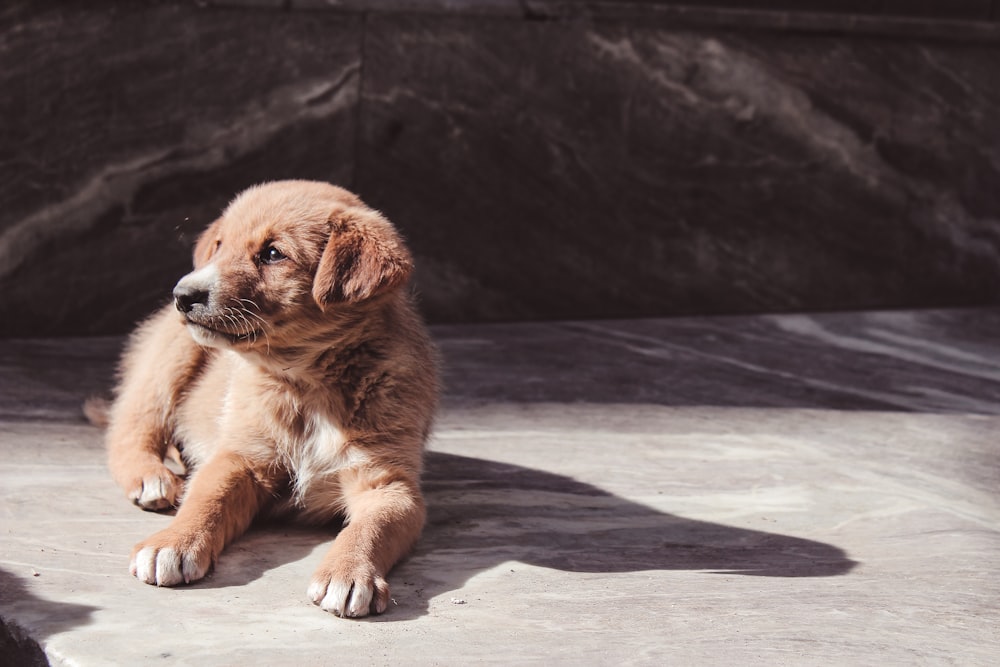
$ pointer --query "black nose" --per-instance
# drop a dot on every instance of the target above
(187, 297)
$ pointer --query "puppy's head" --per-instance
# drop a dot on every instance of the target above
(282, 259)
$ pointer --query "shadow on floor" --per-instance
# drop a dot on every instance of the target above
(484, 513)
(558, 522)
(17, 646)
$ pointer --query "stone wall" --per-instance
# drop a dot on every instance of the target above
(544, 159)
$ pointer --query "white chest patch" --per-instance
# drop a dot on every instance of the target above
(315, 460)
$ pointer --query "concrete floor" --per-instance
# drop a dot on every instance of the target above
(747, 490)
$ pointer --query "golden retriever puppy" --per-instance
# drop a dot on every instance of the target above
(295, 377)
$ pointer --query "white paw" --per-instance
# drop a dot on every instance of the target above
(157, 492)
(167, 566)
(345, 598)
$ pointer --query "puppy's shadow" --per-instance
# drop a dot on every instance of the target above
(267, 546)
(484, 513)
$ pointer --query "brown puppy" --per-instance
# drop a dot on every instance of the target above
(296, 378)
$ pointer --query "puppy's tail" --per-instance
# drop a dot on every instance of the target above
(96, 409)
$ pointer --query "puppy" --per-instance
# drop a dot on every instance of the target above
(295, 378)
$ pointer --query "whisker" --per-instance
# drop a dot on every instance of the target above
(240, 322)
(245, 319)
(249, 330)
(252, 303)
(232, 320)
(244, 312)
(263, 322)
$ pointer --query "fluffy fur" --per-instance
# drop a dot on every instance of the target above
(295, 378)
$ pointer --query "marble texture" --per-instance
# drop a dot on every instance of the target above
(545, 159)
(797, 489)
(929, 361)
(947, 10)
(127, 130)
(615, 170)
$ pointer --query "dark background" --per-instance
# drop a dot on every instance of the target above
(544, 159)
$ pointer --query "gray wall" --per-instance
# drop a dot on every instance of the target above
(544, 159)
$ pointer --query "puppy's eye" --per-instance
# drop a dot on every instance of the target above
(270, 255)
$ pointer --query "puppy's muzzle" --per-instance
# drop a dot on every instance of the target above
(197, 296)
(194, 290)
(187, 297)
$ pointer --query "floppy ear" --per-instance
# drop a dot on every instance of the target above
(363, 258)
(206, 245)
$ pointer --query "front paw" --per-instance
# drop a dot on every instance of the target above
(154, 488)
(169, 559)
(349, 590)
